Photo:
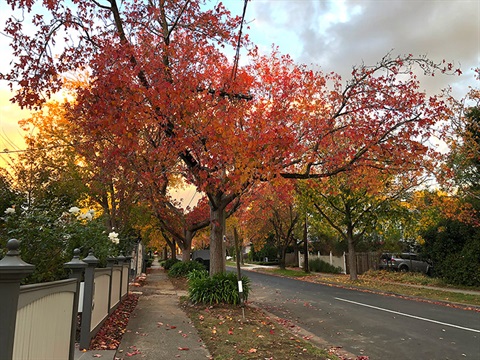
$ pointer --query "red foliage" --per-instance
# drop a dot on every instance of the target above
(161, 89)
(111, 332)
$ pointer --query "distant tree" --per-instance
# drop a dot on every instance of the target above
(354, 203)
(271, 209)
(464, 142)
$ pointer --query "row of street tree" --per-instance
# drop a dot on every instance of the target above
(152, 102)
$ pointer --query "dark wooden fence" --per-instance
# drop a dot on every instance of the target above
(365, 261)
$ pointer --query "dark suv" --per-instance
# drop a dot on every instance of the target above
(405, 262)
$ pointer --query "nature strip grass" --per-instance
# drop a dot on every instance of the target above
(228, 335)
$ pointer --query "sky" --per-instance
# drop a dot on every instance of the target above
(339, 34)
(335, 35)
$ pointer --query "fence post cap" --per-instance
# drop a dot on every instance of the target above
(121, 259)
(12, 263)
(91, 259)
(111, 261)
(75, 263)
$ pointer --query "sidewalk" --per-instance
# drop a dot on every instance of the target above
(157, 329)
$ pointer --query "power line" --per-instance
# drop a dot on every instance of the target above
(237, 53)
(7, 151)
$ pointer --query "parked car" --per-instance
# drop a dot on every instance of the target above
(405, 262)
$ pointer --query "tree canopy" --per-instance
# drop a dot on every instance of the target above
(159, 95)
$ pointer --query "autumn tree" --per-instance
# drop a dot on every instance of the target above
(161, 88)
(58, 159)
(353, 203)
(271, 210)
(464, 160)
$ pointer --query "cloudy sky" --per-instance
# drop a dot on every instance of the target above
(339, 34)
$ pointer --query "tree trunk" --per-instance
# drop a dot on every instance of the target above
(283, 252)
(186, 255)
(187, 245)
(173, 248)
(217, 246)
(352, 258)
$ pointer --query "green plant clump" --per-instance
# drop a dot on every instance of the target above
(167, 264)
(318, 265)
(221, 288)
(183, 268)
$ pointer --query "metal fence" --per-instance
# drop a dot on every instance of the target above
(39, 321)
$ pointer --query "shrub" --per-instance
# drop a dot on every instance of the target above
(318, 265)
(221, 288)
(183, 268)
(167, 264)
(197, 274)
(454, 248)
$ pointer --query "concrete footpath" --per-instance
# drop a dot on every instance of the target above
(158, 328)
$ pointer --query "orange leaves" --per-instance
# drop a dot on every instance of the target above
(431, 206)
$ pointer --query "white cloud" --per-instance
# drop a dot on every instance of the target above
(339, 34)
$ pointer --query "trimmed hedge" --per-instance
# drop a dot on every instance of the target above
(318, 265)
(221, 288)
(183, 268)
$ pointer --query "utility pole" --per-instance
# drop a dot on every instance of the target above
(305, 246)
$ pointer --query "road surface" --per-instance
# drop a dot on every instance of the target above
(362, 323)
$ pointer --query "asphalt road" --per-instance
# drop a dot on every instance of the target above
(381, 327)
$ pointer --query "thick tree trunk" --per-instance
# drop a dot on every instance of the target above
(173, 248)
(187, 245)
(352, 258)
(283, 252)
(185, 255)
(217, 246)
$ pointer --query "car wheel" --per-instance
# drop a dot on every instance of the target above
(403, 268)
